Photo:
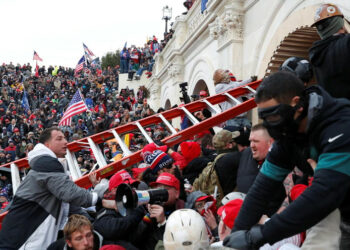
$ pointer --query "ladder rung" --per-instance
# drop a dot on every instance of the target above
(73, 165)
(250, 89)
(15, 177)
(143, 131)
(190, 116)
(171, 128)
(125, 149)
(97, 153)
(233, 100)
(211, 107)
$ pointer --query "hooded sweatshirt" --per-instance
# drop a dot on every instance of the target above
(36, 213)
(330, 59)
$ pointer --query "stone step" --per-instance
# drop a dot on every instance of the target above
(134, 84)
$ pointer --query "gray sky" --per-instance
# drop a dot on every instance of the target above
(57, 29)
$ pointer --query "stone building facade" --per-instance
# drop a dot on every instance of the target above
(247, 37)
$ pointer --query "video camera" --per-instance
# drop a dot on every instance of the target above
(128, 198)
(184, 92)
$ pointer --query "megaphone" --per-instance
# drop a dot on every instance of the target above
(128, 198)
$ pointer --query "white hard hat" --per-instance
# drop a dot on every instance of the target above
(232, 196)
(185, 229)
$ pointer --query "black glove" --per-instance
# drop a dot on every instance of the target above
(304, 179)
(244, 239)
(282, 154)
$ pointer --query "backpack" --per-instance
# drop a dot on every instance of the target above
(208, 179)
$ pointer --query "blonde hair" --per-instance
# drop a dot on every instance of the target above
(75, 223)
(221, 76)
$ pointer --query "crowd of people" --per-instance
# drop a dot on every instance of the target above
(49, 96)
(137, 60)
(280, 184)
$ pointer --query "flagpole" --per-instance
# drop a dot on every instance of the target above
(33, 61)
(84, 54)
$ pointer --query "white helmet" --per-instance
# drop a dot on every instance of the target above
(185, 229)
(232, 196)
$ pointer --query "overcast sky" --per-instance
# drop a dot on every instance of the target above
(57, 29)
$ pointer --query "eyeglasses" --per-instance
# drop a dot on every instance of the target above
(199, 205)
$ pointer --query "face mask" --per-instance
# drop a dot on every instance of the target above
(279, 120)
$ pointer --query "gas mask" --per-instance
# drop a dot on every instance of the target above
(279, 121)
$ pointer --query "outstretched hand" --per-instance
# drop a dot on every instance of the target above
(93, 179)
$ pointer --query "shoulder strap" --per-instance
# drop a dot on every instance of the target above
(216, 159)
(220, 190)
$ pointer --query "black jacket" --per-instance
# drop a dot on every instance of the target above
(226, 169)
(248, 169)
(328, 131)
(195, 168)
(114, 227)
(330, 59)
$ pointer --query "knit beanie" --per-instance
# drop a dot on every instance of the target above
(190, 150)
(329, 26)
(157, 160)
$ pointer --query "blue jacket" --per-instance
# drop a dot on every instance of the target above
(124, 55)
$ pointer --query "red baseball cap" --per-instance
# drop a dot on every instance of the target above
(119, 178)
(203, 93)
(168, 180)
(112, 247)
(229, 212)
(15, 130)
(152, 146)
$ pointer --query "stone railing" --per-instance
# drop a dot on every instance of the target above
(223, 18)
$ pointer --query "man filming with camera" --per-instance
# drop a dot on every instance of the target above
(160, 212)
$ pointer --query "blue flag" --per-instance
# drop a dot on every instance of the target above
(25, 103)
(204, 5)
(96, 63)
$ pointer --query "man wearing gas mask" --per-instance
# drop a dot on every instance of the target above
(295, 116)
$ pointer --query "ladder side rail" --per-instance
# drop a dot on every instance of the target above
(16, 180)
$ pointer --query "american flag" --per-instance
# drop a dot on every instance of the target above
(76, 106)
(87, 51)
(80, 65)
(36, 56)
